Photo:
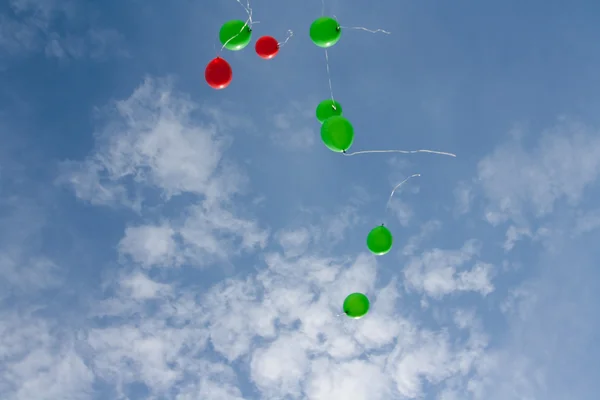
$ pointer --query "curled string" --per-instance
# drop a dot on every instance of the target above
(288, 36)
(329, 78)
(249, 22)
(443, 153)
(387, 206)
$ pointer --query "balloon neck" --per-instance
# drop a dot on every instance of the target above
(339, 28)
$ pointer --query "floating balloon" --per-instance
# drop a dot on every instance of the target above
(218, 73)
(380, 240)
(327, 109)
(235, 35)
(356, 305)
(267, 47)
(325, 32)
(337, 133)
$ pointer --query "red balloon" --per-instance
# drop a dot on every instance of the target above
(218, 73)
(267, 47)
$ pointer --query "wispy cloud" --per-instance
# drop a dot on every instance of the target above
(294, 128)
(24, 268)
(439, 272)
(518, 182)
(149, 141)
(60, 29)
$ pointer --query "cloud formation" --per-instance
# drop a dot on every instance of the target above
(152, 264)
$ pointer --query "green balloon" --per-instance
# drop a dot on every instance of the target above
(337, 133)
(356, 305)
(325, 32)
(380, 240)
(235, 35)
(327, 109)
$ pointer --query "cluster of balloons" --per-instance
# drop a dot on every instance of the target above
(235, 35)
(337, 133)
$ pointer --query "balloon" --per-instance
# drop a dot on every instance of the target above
(356, 305)
(326, 109)
(235, 34)
(267, 47)
(380, 240)
(325, 32)
(218, 73)
(337, 133)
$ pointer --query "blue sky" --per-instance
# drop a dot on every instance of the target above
(163, 240)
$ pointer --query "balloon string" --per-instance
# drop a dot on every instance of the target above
(367, 30)
(363, 28)
(249, 22)
(329, 78)
(387, 206)
(322, 7)
(289, 35)
(443, 153)
(248, 10)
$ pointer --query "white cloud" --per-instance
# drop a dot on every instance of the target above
(281, 325)
(513, 235)
(96, 43)
(517, 182)
(354, 379)
(294, 242)
(25, 274)
(140, 287)
(39, 361)
(214, 381)
(151, 140)
(150, 245)
(282, 366)
(436, 272)
(211, 232)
